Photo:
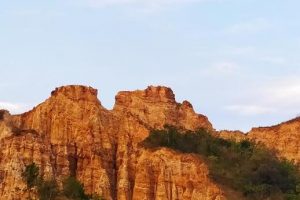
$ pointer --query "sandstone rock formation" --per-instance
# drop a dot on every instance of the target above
(72, 134)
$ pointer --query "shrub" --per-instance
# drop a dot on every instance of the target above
(73, 189)
(47, 190)
(30, 175)
(96, 197)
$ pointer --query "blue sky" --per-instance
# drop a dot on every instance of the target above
(236, 61)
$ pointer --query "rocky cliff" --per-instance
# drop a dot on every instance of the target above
(72, 134)
(283, 138)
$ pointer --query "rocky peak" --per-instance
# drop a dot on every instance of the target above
(76, 93)
(152, 94)
(187, 105)
(156, 106)
(159, 93)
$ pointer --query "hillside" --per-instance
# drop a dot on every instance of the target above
(71, 133)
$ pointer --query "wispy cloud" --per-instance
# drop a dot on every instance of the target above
(225, 67)
(219, 69)
(241, 50)
(274, 60)
(33, 13)
(285, 91)
(250, 109)
(14, 108)
(279, 95)
(143, 4)
(252, 26)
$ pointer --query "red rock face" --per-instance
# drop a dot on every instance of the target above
(72, 134)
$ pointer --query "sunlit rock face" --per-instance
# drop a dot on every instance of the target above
(72, 134)
(283, 139)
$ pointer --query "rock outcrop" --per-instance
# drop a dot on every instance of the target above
(156, 106)
(72, 134)
(283, 139)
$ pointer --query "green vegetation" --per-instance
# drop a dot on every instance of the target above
(244, 166)
(30, 175)
(48, 189)
(73, 189)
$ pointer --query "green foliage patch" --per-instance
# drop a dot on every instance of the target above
(48, 189)
(244, 166)
(73, 189)
(30, 175)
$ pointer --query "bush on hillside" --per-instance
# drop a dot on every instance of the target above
(48, 189)
(73, 189)
(30, 175)
(244, 166)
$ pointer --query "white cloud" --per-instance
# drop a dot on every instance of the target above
(278, 95)
(139, 2)
(252, 26)
(219, 69)
(285, 92)
(250, 109)
(241, 50)
(33, 13)
(148, 4)
(14, 108)
(225, 67)
(274, 60)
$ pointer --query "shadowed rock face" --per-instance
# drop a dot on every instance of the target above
(72, 134)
